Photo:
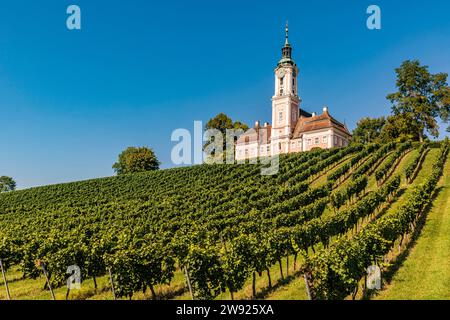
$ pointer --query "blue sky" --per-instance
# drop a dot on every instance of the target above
(70, 101)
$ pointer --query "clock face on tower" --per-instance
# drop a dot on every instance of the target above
(281, 73)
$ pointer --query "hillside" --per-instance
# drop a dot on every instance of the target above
(424, 272)
(226, 229)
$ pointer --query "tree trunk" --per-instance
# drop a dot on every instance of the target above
(287, 265)
(268, 276)
(355, 293)
(231, 293)
(400, 244)
(95, 283)
(153, 292)
(295, 261)
(281, 269)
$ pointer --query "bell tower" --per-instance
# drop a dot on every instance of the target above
(285, 101)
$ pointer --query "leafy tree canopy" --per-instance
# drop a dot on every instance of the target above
(7, 184)
(400, 128)
(421, 98)
(368, 129)
(222, 122)
(136, 159)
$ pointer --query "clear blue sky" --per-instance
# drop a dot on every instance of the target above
(70, 101)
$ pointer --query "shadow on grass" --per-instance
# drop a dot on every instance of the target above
(171, 293)
(388, 205)
(400, 259)
(264, 293)
(419, 167)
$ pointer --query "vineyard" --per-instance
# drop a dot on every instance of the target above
(222, 231)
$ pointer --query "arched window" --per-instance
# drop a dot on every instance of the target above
(281, 85)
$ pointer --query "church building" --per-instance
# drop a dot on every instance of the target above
(293, 129)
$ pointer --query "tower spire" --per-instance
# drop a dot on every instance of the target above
(287, 49)
(287, 33)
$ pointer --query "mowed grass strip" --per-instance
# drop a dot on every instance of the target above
(34, 289)
(425, 273)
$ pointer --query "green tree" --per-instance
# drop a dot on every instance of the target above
(7, 184)
(368, 130)
(222, 122)
(400, 128)
(136, 159)
(422, 97)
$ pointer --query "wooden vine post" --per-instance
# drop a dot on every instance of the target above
(8, 296)
(188, 282)
(112, 284)
(42, 265)
(308, 289)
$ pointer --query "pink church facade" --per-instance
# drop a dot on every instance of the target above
(292, 128)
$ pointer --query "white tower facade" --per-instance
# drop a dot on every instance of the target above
(285, 101)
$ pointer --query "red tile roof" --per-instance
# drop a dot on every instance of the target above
(304, 124)
(323, 121)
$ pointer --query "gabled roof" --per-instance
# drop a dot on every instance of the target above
(323, 121)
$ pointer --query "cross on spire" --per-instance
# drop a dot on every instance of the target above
(287, 33)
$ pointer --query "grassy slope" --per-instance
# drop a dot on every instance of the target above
(33, 289)
(425, 273)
